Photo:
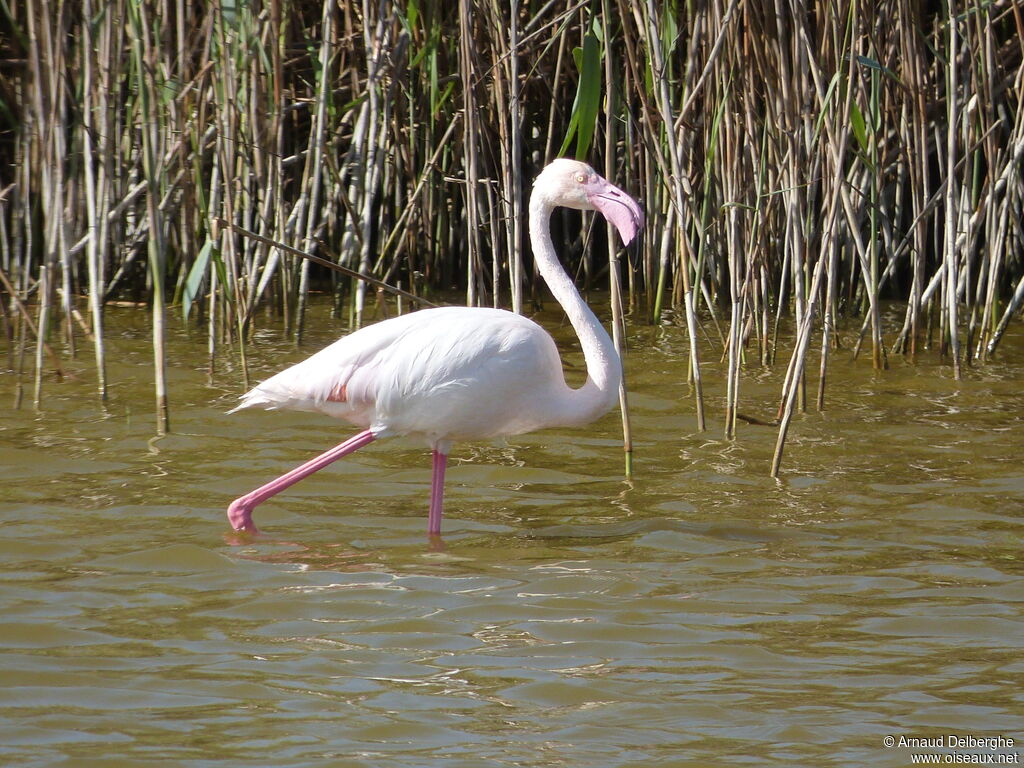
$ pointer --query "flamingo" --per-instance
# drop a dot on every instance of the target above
(451, 374)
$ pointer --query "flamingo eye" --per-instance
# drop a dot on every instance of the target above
(580, 178)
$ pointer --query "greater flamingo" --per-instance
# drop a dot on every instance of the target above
(460, 373)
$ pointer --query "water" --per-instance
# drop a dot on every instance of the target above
(703, 614)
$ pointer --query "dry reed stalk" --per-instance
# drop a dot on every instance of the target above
(470, 123)
(507, 100)
(614, 277)
(313, 258)
(43, 27)
(952, 209)
(311, 200)
(144, 54)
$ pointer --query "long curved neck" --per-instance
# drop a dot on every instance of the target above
(604, 369)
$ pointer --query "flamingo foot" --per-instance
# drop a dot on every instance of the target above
(240, 515)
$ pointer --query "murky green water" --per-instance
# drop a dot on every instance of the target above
(703, 614)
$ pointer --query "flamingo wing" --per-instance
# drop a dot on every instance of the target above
(321, 382)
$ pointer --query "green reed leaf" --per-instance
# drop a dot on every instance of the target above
(587, 103)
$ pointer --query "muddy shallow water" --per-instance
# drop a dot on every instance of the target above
(700, 614)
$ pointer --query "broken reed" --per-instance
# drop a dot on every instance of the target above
(799, 162)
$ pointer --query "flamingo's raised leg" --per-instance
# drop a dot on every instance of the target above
(240, 510)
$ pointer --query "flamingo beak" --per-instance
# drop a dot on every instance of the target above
(616, 206)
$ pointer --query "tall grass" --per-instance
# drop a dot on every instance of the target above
(800, 163)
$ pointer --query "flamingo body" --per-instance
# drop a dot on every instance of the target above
(432, 374)
(452, 374)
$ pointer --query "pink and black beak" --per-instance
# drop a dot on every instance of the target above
(616, 206)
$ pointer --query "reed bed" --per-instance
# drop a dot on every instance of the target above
(800, 163)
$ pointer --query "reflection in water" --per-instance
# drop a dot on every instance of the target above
(700, 614)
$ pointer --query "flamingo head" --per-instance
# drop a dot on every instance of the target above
(573, 184)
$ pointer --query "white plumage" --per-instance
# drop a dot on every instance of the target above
(431, 374)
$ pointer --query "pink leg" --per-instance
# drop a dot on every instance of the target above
(437, 494)
(240, 511)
